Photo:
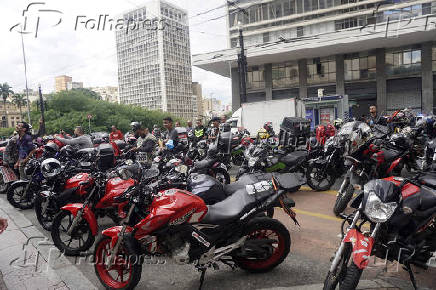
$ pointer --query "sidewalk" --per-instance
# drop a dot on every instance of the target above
(28, 260)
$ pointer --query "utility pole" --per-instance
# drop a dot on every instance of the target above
(242, 68)
(41, 106)
(25, 76)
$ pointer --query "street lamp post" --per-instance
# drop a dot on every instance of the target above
(41, 106)
(242, 67)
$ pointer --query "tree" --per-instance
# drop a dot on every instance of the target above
(5, 91)
(19, 101)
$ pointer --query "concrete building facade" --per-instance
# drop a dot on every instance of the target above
(197, 93)
(108, 94)
(376, 52)
(61, 83)
(154, 62)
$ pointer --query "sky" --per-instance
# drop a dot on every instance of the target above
(89, 56)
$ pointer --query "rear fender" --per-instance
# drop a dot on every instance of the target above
(113, 233)
(88, 215)
(362, 247)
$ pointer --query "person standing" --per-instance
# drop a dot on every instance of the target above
(214, 130)
(24, 146)
(147, 142)
(189, 126)
(172, 137)
(115, 134)
(10, 156)
(199, 131)
(373, 118)
(81, 140)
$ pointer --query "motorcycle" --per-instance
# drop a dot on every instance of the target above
(75, 227)
(259, 158)
(213, 165)
(368, 158)
(179, 224)
(402, 222)
(7, 174)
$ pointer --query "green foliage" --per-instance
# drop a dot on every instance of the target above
(6, 132)
(68, 109)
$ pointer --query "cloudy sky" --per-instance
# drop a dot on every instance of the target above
(89, 56)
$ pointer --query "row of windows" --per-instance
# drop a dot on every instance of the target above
(358, 66)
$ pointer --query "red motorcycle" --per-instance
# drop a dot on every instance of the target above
(179, 224)
(401, 217)
(75, 226)
(7, 174)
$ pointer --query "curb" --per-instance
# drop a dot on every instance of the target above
(29, 260)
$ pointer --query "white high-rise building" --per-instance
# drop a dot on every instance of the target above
(154, 59)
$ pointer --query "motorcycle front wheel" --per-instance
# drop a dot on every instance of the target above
(318, 178)
(342, 200)
(338, 275)
(80, 240)
(45, 210)
(123, 274)
(257, 258)
(20, 196)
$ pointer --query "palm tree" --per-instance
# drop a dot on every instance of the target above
(5, 91)
(19, 101)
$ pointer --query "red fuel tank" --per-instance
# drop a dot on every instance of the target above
(114, 187)
(173, 206)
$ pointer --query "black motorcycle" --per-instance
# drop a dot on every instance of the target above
(213, 165)
(400, 215)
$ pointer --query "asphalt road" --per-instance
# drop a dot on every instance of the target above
(313, 244)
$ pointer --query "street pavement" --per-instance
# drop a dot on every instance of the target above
(313, 244)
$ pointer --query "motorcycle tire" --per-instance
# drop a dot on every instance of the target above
(335, 278)
(352, 278)
(310, 180)
(100, 258)
(64, 246)
(18, 197)
(225, 175)
(46, 218)
(256, 229)
(343, 200)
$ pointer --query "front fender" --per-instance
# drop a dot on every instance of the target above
(113, 233)
(88, 215)
(20, 182)
(362, 247)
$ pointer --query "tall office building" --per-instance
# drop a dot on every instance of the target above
(61, 83)
(198, 94)
(373, 51)
(154, 59)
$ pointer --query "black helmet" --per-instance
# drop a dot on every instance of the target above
(135, 126)
(51, 147)
(268, 127)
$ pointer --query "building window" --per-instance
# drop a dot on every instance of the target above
(266, 37)
(321, 70)
(403, 61)
(433, 59)
(300, 31)
(359, 66)
(285, 75)
(255, 77)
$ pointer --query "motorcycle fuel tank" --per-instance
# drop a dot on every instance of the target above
(173, 207)
(77, 179)
(114, 187)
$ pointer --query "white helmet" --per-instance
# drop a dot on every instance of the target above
(50, 167)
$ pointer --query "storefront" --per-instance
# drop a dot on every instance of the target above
(324, 110)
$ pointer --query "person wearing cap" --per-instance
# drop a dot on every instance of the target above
(147, 141)
(81, 141)
(156, 131)
(24, 146)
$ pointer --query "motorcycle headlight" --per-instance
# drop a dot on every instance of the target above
(252, 161)
(376, 210)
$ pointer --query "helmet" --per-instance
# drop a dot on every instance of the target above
(338, 123)
(263, 134)
(135, 126)
(30, 167)
(50, 167)
(359, 136)
(268, 126)
(51, 147)
(67, 150)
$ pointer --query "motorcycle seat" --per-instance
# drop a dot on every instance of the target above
(428, 198)
(429, 179)
(245, 180)
(294, 158)
(234, 206)
(390, 155)
(205, 163)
